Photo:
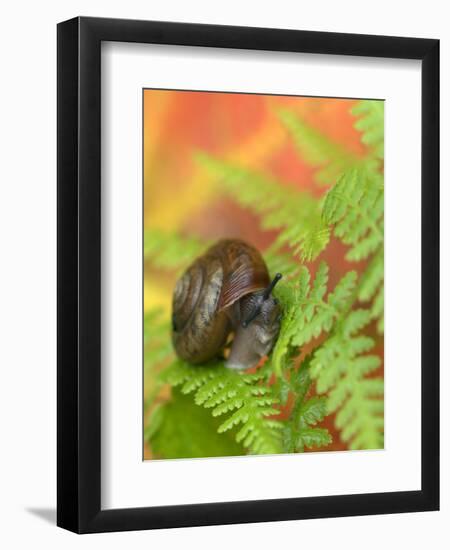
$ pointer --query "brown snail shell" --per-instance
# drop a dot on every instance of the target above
(225, 291)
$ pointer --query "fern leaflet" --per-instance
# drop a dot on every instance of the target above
(371, 287)
(306, 314)
(295, 213)
(179, 428)
(371, 124)
(247, 403)
(301, 430)
(355, 206)
(330, 158)
(340, 367)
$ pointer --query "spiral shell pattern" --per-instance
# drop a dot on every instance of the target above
(199, 330)
(206, 293)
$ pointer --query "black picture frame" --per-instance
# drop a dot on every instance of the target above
(79, 275)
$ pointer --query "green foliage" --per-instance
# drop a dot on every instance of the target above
(301, 431)
(330, 158)
(181, 429)
(169, 250)
(340, 364)
(355, 207)
(243, 398)
(297, 215)
(371, 124)
(340, 367)
(215, 411)
(306, 313)
(371, 288)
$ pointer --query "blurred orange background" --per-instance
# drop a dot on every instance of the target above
(180, 195)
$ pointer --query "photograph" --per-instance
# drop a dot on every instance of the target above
(263, 287)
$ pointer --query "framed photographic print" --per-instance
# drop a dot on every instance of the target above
(248, 258)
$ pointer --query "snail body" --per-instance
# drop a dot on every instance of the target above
(225, 292)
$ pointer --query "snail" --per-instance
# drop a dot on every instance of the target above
(226, 292)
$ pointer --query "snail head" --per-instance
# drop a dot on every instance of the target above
(259, 302)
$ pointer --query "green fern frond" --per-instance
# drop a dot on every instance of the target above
(296, 214)
(315, 314)
(377, 309)
(244, 408)
(171, 251)
(247, 403)
(329, 157)
(340, 367)
(315, 241)
(306, 313)
(355, 207)
(180, 429)
(370, 123)
(288, 294)
(371, 288)
(301, 430)
(338, 163)
(372, 277)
